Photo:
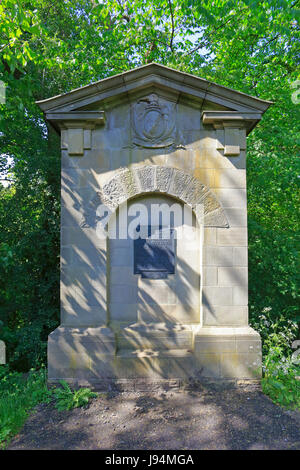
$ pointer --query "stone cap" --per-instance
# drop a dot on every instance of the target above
(234, 119)
(123, 85)
(76, 119)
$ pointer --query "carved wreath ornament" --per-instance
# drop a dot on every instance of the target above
(153, 122)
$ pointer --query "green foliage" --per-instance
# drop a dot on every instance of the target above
(281, 372)
(66, 399)
(19, 393)
(280, 332)
(48, 47)
(281, 379)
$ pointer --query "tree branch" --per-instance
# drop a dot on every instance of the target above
(173, 28)
(212, 32)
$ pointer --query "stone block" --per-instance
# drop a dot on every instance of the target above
(208, 365)
(216, 296)
(238, 161)
(215, 345)
(123, 312)
(121, 293)
(106, 139)
(230, 178)
(179, 313)
(154, 337)
(83, 255)
(240, 294)
(240, 256)
(225, 315)
(210, 236)
(232, 198)
(83, 236)
(210, 158)
(77, 315)
(75, 141)
(206, 177)
(95, 158)
(87, 138)
(232, 141)
(181, 159)
(233, 276)
(123, 275)
(121, 257)
(235, 236)
(241, 365)
(141, 367)
(218, 256)
(2, 352)
(70, 217)
(188, 293)
(189, 118)
(64, 139)
(236, 217)
(156, 292)
(72, 352)
(210, 276)
(248, 346)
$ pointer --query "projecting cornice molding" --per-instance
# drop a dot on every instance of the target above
(83, 119)
(125, 86)
(231, 128)
(75, 128)
(231, 119)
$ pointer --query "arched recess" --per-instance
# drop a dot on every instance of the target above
(129, 183)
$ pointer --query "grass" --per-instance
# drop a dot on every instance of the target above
(281, 380)
(19, 393)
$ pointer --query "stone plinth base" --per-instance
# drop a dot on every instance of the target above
(104, 359)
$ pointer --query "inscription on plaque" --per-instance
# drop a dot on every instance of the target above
(154, 258)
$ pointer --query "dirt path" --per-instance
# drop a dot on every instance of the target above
(195, 419)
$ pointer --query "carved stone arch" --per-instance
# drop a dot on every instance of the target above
(129, 183)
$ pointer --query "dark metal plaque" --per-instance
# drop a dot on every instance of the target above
(154, 258)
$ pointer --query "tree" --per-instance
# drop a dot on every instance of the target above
(50, 47)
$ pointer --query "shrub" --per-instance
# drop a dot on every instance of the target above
(19, 394)
(66, 399)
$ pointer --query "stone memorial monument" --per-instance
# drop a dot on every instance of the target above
(154, 286)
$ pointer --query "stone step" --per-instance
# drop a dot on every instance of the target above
(151, 353)
(155, 337)
(154, 364)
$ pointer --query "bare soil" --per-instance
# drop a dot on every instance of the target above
(202, 418)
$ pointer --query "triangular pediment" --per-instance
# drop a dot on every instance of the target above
(179, 85)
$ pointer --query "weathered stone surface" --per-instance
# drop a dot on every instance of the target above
(229, 315)
(145, 177)
(232, 276)
(75, 141)
(210, 276)
(2, 352)
(163, 179)
(236, 236)
(179, 183)
(153, 178)
(152, 145)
